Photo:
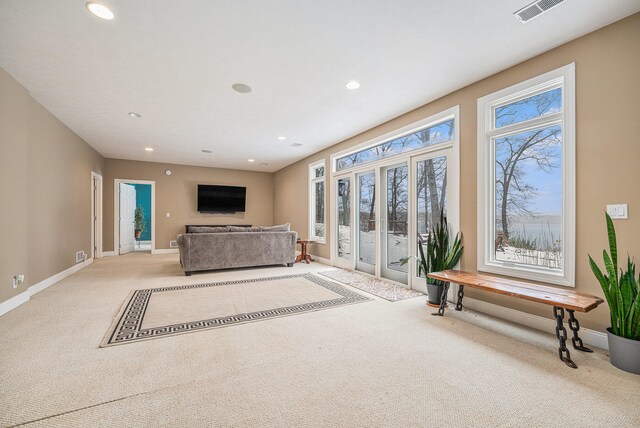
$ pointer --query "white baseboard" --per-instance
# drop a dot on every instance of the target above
(14, 302)
(591, 337)
(108, 253)
(165, 251)
(23, 297)
(318, 258)
(322, 260)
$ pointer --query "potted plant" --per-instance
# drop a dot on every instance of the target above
(139, 222)
(621, 290)
(436, 255)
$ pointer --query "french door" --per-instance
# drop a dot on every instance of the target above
(394, 230)
(379, 211)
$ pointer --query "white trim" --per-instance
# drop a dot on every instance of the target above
(108, 253)
(14, 302)
(322, 260)
(591, 337)
(96, 239)
(116, 212)
(563, 77)
(317, 258)
(165, 251)
(312, 201)
(23, 297)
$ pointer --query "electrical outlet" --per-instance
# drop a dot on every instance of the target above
(18, 280)
(79, 256)
(173, 244)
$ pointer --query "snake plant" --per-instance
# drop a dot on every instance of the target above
(621, 290)
(439, 255)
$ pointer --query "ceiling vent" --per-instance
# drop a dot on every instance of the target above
(535, 9)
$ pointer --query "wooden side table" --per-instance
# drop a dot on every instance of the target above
(304, 256)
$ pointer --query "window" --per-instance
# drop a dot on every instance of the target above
(526, 181)
(316, 201)
(428, 136)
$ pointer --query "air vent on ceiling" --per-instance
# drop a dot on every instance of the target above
(537, 8)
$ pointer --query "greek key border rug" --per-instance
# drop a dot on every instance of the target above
(127, 327)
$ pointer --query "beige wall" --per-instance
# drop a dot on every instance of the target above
(45, 200)
(176, 194)
(607, 146)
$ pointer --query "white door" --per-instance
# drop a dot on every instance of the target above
(127, 213)
(366, 208)
(394, 222)
(431, 181)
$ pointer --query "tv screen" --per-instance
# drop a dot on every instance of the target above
(221, 199)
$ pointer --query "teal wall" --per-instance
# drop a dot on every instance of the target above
(143, 199)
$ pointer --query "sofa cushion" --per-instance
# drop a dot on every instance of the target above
(208, 229)
(241, 229)
(279, 228)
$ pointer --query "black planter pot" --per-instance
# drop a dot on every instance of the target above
(434, 294)
(624, 353)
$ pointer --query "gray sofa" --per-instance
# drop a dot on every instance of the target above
(208, 248)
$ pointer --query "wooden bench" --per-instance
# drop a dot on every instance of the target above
(560, 299)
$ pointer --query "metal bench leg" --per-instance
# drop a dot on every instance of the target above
(460, 296)
(443, 300)
(574, 325)
(561, 334)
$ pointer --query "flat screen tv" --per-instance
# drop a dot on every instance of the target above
(221, 199)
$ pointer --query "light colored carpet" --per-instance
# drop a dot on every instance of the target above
(378, 364)
(388, 290)
(161, 312)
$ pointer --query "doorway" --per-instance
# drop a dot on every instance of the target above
(134, 214)
(96, 215)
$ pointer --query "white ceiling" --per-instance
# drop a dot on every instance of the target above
(174, 63)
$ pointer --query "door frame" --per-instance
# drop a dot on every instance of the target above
(453, 186)
(96, 215)
(116, 212)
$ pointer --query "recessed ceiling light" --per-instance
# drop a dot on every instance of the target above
(282, 138)
(352, 84)
(206, 151)
(99, 10)
(250, 160)
(264, 163)
(149, 149)
(241, 87)
(132, 114)
(296, 145)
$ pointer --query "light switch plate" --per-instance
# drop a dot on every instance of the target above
(618, 211)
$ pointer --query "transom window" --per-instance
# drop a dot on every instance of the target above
(428, 136)
(526, 158)
(316, 201)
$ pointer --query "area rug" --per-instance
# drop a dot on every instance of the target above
(386, 289)
(161, 312)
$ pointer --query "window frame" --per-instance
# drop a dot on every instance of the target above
(563, 77)
(312, 200)
(433, 120)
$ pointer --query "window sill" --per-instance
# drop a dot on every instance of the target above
(527, 274)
